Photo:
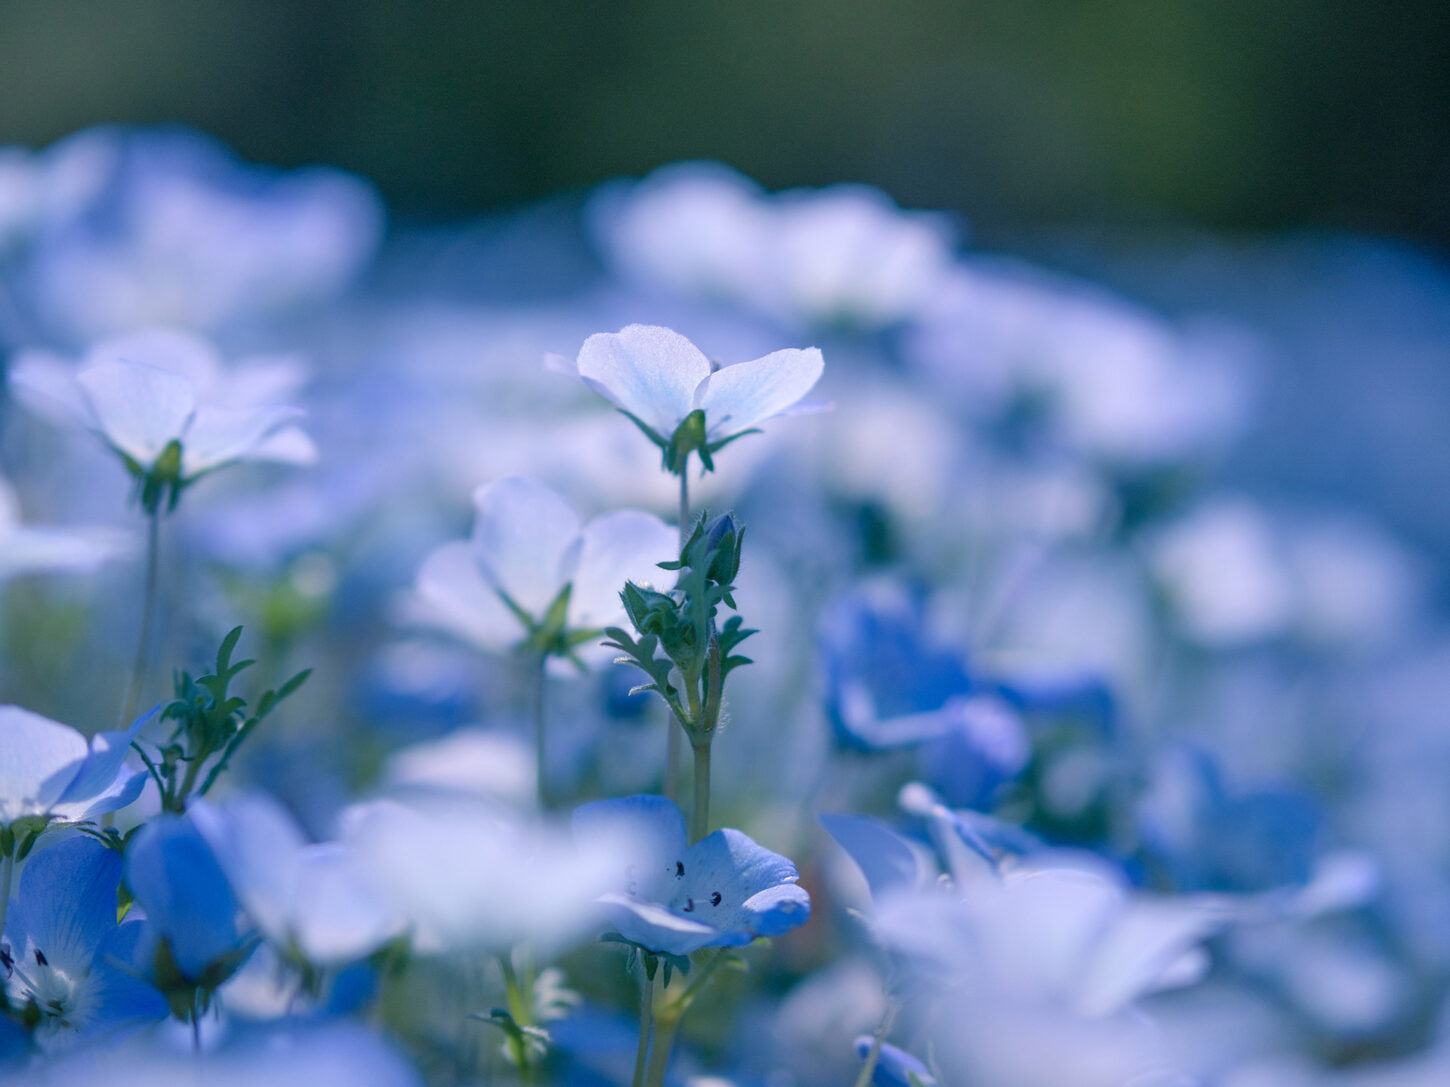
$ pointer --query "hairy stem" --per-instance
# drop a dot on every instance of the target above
(646, 1027)
(148, 610)
(700, 813)
(538, 680)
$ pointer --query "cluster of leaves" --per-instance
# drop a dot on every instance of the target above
(208, 720)
(681, 647)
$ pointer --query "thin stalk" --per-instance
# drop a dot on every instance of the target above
(538, 680)
(674, 757)
(684, 503)
(515, 1001)
(195, 1024)
(659, 1059)
(700, 813)
(7, 874)
(148, 609)
(646, 1027)
(873, 1056)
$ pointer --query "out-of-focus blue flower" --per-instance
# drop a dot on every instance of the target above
(894, 1067)
(985, 745)
(64, 952)
(528, 547)
(844, 255)
(49, 771)
(887, 684)
(658, 378)
(151, 392)
(1208, 837)
(310, 900)
(28, 549)
(723, 891)
(166, 226)
(195, 938)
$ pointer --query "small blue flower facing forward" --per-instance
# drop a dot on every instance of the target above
(723, 891)
(63, 952)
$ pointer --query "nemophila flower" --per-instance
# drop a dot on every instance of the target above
(310, 900)
(49, 771)
(165, 404)
(680, 400)
(895, 1067)
(723, 891)
(194, 938)
(64, 955)
(471, 875)
(534, 575)
(167, 226)
(29, 549)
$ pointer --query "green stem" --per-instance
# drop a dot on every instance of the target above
(684, 503)
(7, 874)
(873, 1057)
(196, 1022)
(148, 609)
(659, 1059)
(646, 1026)
(700, 813)
(538, 679)
(674, 758)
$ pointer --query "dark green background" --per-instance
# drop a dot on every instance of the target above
(1221, 113)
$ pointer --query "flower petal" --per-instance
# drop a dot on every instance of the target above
(137, 408)
(218, 436)
(648, 371)
(738, 397)
(526, 541)
(452, 594)
(39, 758)
(627, 545)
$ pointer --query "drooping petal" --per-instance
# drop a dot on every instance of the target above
(526, 541)
(137, 408)
(176, 878)
(884, 857)
(452, 594)
(626, 545)
(45, 383)
(648, 371)
(656, 927)
(103, 783)
(290, 445)
(335, 917)
(258, 845)
(738, 397)
(39, 758)
(170, 349)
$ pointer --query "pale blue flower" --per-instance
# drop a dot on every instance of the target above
(49, 771)
(29, 549)
(658, 377)
(65, 953)
(143, 392)
(528, 546)
(723, 891)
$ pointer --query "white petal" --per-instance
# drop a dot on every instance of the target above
(259, 847)
(46, 384)
(335, 917)
(452, 594)
(168, 349)
(650, 372)
(290, 445)
(138, 408)
(627, 545)
(38, 759)
(740, 396)
(526, 541)
(218, 436)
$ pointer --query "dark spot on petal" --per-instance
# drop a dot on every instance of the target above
(679, 869)
(40, 959)
(689, 905)
(715, 899)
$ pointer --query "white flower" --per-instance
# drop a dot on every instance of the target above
(48, 770)
(500, 588)
(142, 392)
(659, 379)
(26, 549)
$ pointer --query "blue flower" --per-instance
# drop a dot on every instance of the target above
(64, 953)
(49, 771)
(894, 1067)
(723, 891)
(194, 938)
(886, 683)
(657, 377)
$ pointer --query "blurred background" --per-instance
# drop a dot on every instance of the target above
(1228, 114)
